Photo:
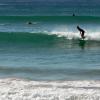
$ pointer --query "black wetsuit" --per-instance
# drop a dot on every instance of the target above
(81, 32)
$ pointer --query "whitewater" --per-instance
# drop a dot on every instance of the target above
(95, 36)
(19, 89)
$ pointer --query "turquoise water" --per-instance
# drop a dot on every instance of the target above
(49, 48)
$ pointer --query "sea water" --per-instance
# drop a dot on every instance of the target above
(42, 55)
(50, 7)
(50, 48)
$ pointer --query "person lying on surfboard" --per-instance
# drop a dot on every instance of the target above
(81, 32)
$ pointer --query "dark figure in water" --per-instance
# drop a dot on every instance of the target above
(73, 14)
(81, 32)
(29, 23)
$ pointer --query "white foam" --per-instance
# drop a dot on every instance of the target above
(76, 35)
(18, 89)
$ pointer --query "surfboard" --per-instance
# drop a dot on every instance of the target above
(82, 39)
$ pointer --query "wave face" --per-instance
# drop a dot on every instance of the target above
(46, 38)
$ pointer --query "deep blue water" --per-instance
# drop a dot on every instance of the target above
(50, 7)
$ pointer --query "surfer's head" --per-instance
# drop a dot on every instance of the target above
(73, 14)
(29, 23)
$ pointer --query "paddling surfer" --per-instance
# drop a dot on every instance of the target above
(81, 32)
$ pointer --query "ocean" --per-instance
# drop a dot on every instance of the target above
(50, 48)
(50, 7)
(42, 56)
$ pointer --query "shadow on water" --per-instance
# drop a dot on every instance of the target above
(82, 44)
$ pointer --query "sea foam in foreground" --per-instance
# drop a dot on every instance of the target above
(18, 89)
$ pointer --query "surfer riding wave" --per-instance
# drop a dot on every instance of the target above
(81, 32)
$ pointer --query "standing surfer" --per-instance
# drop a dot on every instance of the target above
(81, 32)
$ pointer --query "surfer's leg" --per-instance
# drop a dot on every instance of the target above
(82, 35)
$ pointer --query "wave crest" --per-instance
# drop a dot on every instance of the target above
(76, 35)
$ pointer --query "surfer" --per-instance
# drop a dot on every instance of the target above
(73, 14)
(29, 23)
(81, 32)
